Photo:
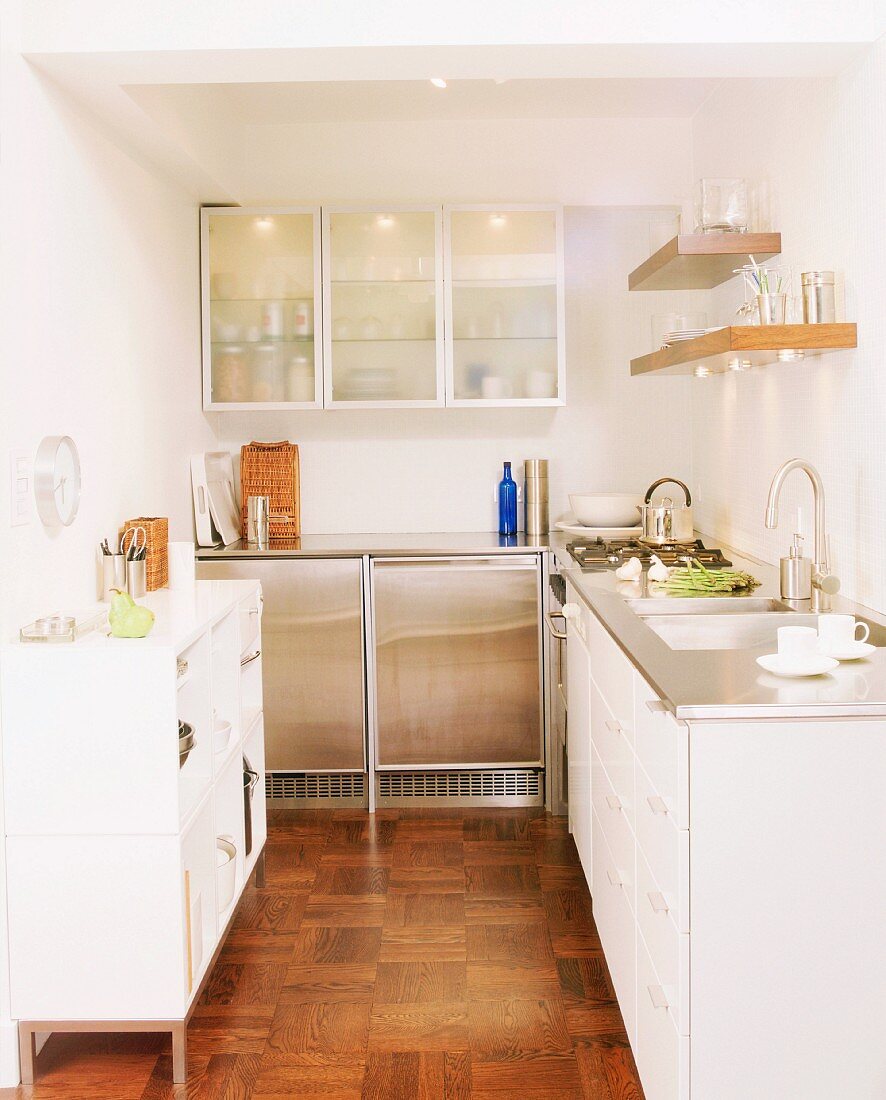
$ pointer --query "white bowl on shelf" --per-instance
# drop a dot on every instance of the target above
(225, 872)
(221, 735)
(606, 509)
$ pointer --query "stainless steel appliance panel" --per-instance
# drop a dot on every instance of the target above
(312, 656)
(457, 662)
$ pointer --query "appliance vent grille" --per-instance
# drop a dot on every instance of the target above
(504, 783)
(314, 785)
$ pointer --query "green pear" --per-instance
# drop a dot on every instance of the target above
(129, 619)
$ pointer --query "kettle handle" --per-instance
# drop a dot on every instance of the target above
(667, 481)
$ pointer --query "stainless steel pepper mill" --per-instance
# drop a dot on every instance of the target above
(536, 509)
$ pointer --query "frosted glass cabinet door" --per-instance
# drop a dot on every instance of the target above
(383, 307)
(261, 285)
(504, 305)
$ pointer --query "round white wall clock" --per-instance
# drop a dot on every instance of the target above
(57, 480)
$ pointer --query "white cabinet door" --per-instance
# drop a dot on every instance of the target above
(578, 734)
(504, 305)
(260, 276)
(383, 307)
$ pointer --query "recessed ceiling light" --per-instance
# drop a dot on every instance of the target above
(384, 221)
(702, 371)
(264, 224)
(497, 221)
(438, 81)
(790, 355)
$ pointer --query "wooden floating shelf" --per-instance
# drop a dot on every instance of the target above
(699, 261)
(755, 345)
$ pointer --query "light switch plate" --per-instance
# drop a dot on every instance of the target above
(21, 488)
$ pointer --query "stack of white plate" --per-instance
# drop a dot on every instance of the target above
(678, 335)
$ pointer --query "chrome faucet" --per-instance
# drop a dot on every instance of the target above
(824, 583)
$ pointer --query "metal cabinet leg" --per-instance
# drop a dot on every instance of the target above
(180, 1053)
(260, 870)
(27, 1047)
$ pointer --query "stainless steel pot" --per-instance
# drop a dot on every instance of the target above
(666, 521)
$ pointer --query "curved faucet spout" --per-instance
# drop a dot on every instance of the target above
(823, 583)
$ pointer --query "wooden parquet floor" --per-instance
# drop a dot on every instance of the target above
(422, 955)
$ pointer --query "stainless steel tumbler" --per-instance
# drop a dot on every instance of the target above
(258, 521)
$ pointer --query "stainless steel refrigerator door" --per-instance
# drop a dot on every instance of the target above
(312, 657)
(457, 662)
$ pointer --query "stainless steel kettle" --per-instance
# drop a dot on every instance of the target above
(666, 521)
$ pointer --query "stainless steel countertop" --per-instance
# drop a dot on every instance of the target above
(437, 544)
(714, 684)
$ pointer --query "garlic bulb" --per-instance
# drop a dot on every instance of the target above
(658, 571)
(630, 570)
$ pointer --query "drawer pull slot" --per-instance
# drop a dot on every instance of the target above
(613, 801)
(614, 879)
(657, 804)
(613, 726)
(657, 901)
(657, 996)
(656, 706)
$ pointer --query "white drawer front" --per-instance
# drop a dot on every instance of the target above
(662, 1054)
(668, 948)
(611, 813)
(662, 747)
(665, 847)
(617, 927)
(613, 674)
(610, 739)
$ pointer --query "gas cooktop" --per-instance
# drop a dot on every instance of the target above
(610, 553)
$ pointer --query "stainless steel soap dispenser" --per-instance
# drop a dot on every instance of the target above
(796, 573)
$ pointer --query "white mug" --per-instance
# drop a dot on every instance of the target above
(493, 386)
(840, 631)
(797, 642)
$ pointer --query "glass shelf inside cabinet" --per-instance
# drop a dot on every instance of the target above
(261, 308)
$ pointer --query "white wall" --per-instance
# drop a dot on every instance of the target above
(434, 469)
(823, 146)
(101, 337)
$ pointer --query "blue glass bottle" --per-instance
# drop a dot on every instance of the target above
(507, 503)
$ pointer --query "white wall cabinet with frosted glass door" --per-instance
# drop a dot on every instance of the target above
(262, 320)
(383, 307)
(504, 305)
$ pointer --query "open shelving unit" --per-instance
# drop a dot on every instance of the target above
(700, 261)
(739, 347)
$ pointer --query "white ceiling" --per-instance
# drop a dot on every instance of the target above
(416, 100)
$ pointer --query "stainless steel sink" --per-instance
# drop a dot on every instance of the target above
(708, 605)
(735, 631)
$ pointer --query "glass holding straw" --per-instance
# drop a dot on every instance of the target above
(766, 293)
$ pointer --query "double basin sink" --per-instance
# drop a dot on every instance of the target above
(729, 622)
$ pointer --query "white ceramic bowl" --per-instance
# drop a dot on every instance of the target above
(221, 735)
(225, 872)
(606, 509)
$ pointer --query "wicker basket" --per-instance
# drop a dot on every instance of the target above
(271, 470)
(157, 546)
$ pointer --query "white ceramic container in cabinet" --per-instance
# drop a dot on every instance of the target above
(115, 904)
(578, 729)
(261, 308)
(383, 307)
(504, 305)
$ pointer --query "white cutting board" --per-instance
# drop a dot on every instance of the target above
(216, 511)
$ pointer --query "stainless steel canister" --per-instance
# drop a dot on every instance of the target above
(536, 509)
(258, 520)
(819, 301)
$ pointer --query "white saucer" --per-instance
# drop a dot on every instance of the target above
(813, 665)
(572, 528)
(852, 652)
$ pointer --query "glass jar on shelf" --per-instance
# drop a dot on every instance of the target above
(267, 381)
(721, 205)
(230, 377)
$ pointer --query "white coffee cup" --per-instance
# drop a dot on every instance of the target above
(797, 642)
(840, 631)
(493, 387)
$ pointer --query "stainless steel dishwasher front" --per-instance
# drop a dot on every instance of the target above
(312, 657)
(457, 666)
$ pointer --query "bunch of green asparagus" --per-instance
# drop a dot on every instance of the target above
(696, 580)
